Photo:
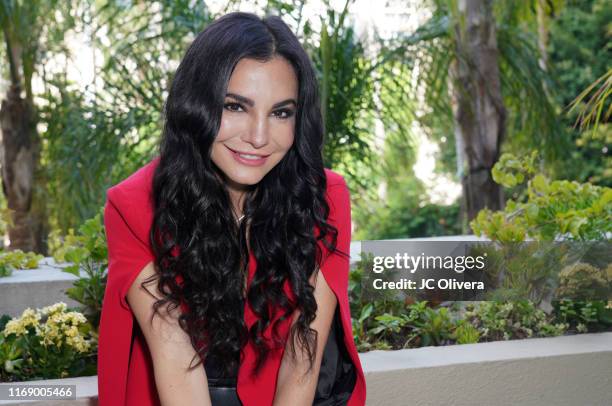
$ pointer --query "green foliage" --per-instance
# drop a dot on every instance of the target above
(532, 121)
(407, 220)
(362, 309)
(25, 25)
(388, 323)
(429, 326)
(579, 53)
(87, 251)
(552, 209)
(584, 315)
(419, 325)
(579, 47)
(510, 171)
(73, 123)
(350, 82)
(405, 211)
(114, 126)
(518, 271)
(17, 259)
(512, 320)
(577, 283)
(47, 343)
(593, 111)
(466, 333)
(413, 325)
(582, 281)
(346, 84)
(5, 214)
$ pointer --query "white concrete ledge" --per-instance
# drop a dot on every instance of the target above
(568, 370)
(36, 288)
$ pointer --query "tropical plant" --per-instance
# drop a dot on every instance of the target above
(595, 108)
(444, 59)
(579, 54)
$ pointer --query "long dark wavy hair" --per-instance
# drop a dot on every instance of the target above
(194, 234)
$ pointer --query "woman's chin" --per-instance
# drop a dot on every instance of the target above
(244, 181)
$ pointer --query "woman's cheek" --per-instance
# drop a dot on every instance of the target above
(233, 123)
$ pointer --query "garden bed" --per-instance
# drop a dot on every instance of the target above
(527, 371)
(567, 370)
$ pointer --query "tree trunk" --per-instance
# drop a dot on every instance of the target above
(18, 156)
(477, 105)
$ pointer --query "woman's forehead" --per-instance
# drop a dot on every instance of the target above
(264, 81)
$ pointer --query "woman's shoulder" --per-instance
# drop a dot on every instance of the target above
(131, 199)
(335, 183)
(338, 193)
(135, 190)
(334, 178)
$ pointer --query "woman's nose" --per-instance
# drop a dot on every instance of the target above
(258, 132)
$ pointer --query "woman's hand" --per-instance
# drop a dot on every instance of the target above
(294, 387)
(170, 347)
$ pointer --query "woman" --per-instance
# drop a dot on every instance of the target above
(228, 253)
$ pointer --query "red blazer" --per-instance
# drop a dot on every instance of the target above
(125, 369)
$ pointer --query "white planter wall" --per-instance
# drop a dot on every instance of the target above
(35, 288)
(569, 370)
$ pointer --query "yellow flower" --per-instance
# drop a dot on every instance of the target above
(78, 343)
(71, 331)
(59, 329)
(18, 326)
(46, 341)
(14, 326)
(54, 308)
(75, 318)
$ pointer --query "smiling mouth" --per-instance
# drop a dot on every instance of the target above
(246, 155)
(253, 160)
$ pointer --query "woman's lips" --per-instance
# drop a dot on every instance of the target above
(248, 159)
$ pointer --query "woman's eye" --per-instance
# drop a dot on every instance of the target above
(283, 114)
(232, 106)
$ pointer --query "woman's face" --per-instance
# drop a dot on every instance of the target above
(258, 121)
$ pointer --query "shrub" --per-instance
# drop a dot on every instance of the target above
(47, 343)
(512, 320)
(17, 259)
(86, 251)
(551, 209)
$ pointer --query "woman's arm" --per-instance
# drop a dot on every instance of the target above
(170, 347)
(293, 387)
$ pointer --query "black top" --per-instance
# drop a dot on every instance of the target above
(337, 376)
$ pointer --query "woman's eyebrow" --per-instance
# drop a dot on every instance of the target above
(251, 103)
